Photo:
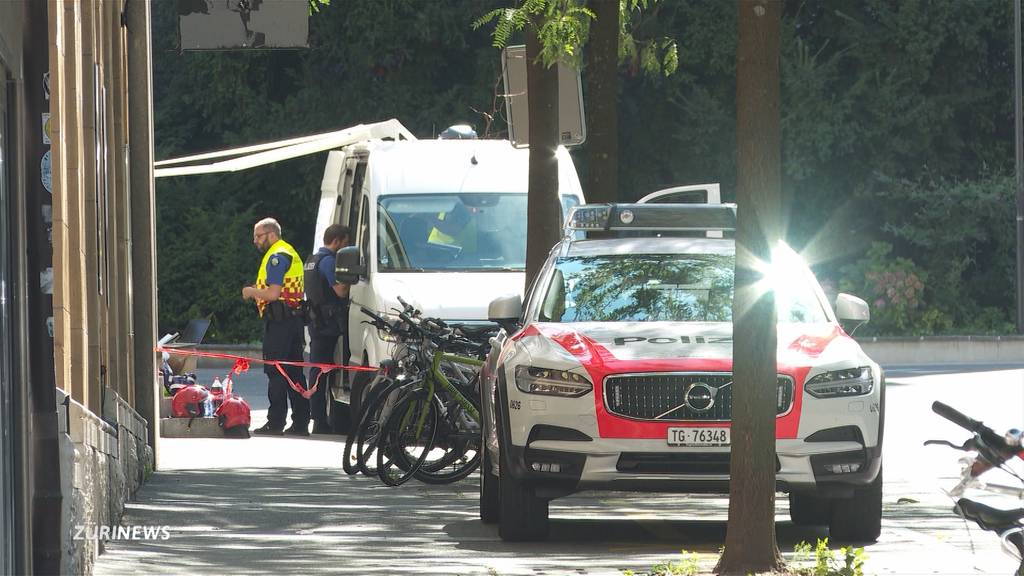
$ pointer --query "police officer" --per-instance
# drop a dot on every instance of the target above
(328, 307)
(278, 295)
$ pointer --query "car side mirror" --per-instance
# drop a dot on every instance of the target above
(852, 312)
(348, 268)
(505, 312)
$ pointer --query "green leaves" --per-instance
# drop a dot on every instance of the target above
(561, 25)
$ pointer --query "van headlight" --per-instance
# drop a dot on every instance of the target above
(837, 383)
(534, 380)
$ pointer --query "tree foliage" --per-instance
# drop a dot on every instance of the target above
(897, 127)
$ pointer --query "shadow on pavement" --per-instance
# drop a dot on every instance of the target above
(287, 520)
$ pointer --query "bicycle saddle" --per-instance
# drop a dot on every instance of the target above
(987, 517)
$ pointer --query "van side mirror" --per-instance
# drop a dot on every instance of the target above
(348, 268)
(852, 312)
(505, 312)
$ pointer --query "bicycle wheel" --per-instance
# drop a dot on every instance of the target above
(368, 435)
(406, 437)
(456, 452)
(349, 458)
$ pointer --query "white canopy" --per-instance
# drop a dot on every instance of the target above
(251, 156)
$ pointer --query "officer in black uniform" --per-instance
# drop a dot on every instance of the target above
(328, 321)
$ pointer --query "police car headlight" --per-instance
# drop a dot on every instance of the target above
(838, 383)
(534, 380)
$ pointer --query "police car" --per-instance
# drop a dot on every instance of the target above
(615, 374)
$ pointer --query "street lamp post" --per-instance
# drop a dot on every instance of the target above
(1019, 134)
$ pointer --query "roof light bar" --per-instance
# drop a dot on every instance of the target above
(592, 217)
(653, 217)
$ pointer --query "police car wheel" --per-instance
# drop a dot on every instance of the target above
(490, 511)
(858, 519)
(522, 515)
(809, 510)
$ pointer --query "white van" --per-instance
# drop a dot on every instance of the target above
(441, 223)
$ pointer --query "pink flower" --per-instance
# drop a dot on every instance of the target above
(880, 303)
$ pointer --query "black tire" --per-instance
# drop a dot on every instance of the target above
(407, 437)
(522, 515)
(809, 510)
(368, 435)
(340, 417)
(858, 519)
(462, 453)
(490, 511)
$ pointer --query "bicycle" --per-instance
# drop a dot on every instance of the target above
(434, 434)
(990, 451)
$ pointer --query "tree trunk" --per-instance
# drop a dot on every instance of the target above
(750, 536)
(543, 221)
(602, 83)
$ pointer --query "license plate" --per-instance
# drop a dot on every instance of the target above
(698, 436)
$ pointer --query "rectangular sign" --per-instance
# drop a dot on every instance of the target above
(572, 126)
(232, 24)
(698, 436)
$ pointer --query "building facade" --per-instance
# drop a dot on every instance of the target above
(77, 269)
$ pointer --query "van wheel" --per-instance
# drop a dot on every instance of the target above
(858, 519)
(355, 398)
(340, 416)
(523, 516)
(809, 510)
(490, 512)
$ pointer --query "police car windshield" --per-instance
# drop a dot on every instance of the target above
(453, 232)
(659, 287)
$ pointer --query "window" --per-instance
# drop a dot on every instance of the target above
(639, 288)
(660, 287)
(454, 232)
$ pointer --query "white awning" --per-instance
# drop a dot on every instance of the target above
(260, 154)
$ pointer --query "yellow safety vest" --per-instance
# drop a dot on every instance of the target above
(292, 289)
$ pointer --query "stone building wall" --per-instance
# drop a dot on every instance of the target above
(104, 461)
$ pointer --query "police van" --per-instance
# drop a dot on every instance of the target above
(615, 373)
(440, 223)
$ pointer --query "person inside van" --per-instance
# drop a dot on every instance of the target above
(456, 227)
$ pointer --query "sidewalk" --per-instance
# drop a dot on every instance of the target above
(282, 505)
(270, 506)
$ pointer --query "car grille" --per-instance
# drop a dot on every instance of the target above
(664, 396)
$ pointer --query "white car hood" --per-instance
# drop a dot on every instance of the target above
(447, 295)
(798, 344)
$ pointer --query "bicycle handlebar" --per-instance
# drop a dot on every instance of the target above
(958, 418)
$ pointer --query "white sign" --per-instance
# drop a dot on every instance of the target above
(44, 172)
(46, 128)
(572, 126)
(227, 24)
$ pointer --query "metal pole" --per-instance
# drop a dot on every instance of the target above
(1019, 135)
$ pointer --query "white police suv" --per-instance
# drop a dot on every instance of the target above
(616, 374)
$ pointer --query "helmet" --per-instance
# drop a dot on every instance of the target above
(234, 415)
(188, 402)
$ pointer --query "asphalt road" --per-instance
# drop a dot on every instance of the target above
(281, 505)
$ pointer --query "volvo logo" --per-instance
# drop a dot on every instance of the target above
(700, 397)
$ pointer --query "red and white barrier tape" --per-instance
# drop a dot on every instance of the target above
(242, 365)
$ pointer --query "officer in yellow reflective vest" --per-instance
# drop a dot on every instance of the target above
(278, 294)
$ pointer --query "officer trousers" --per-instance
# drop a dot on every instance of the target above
(321, 351)
(283, 340)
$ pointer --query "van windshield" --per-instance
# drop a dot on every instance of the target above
(464, 231)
